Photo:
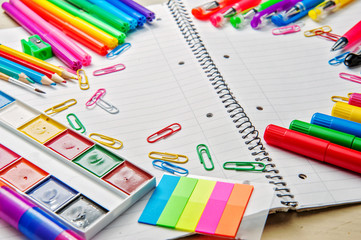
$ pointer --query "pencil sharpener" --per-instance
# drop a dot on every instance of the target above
(37, 47)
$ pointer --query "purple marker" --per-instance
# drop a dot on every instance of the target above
(29, 219)
(270, 11)
(149, 15)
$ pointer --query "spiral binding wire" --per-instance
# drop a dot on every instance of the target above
(235, 110)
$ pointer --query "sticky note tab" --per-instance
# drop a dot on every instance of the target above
(177, 202)
(158, 200)
(195, 206)
(234, 210)
(5, 99)
(214, 208)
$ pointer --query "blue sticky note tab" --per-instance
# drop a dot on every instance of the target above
(159, 199)
(5, 99)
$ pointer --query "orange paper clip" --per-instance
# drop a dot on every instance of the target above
(111, 69)
(165, 132)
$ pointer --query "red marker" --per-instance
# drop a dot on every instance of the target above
(313, 147)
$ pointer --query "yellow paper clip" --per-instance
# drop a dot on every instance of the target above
(317, 31)
(83, 84)
(339, 99)
(169, 157)
(109, 142)
(61, 106)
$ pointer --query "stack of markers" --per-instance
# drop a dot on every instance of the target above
(332, 139)
(280, 12)
(97, 24)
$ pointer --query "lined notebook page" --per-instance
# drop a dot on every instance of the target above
(153, 92)
(290, 78)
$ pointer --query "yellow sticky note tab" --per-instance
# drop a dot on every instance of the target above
(195, 206)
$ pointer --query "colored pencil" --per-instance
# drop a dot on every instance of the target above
(19, 83)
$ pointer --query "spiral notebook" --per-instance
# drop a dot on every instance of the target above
(223, 86)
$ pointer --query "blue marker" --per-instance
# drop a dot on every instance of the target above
(115, 11)
(303, 6)
(130, 11)
(336, 123)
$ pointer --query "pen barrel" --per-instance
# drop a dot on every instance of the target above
(344, 157)
(354, 34)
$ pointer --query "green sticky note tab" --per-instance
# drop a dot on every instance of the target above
(197, 202)
(177, 202)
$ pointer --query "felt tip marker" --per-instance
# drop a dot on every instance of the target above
(313, 147)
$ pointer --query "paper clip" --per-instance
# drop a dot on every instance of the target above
(107, 70)
(79, 126)
(286, 30)
(245, 166)
(83, 84)
(338, 59)
(61, 106)
(118, 50)
(169, 157)
(109, 141)
(97, 99)
(317, 31)
(164, 133)
(202, 148)
(350, 77)
(169, 167)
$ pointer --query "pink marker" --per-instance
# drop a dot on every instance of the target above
(214, 209)
(68, 43)
(63, 54)
(218, 19)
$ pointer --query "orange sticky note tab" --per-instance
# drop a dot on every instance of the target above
(234, 210)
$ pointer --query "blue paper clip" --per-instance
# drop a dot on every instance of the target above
(118, 50)
(169, 167)
(338, 59)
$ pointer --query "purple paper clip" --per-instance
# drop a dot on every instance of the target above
(286, 30)
(107, 70)
(259, 17)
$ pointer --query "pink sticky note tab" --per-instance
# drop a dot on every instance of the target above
(214, 209)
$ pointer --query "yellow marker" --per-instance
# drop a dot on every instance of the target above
(61, 106)
(95, 32)
(36, 61)
(109, 141)
(42, 128)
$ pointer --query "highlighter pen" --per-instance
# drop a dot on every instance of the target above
(321, 11)
(51, 75)
(336, 123)
(313, 147)
(203, 12)
(238, 20)
(90, 19)
(218, 19)
(302, 6)
(149, 15)
(29, 219)
(63, 54)
(101, 14)
(37, 77)
(95, 32)
(336, 137)
(351, 37)
(71, 31)
(115, 11)
(346, 111)
(65, 41)
(130, 11)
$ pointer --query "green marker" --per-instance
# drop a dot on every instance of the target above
(90, 19)
(239, 20)
(14, 73)
(102, 14)
(340, 138)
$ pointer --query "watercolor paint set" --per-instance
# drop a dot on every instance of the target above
(103, 169)
(197, 205)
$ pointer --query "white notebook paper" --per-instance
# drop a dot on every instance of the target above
(164, 83)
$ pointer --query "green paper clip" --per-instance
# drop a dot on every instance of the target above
(245, 166)
(201, 148)
(79, 126)
(37, 47)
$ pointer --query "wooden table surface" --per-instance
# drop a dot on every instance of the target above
(334, 223)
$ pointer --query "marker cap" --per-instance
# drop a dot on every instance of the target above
(355, 99)
(346, 111)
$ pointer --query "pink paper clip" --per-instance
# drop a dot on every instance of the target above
(350, 77)
(286, 30)
(165, 132)
(98, 94)
(107, 70)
